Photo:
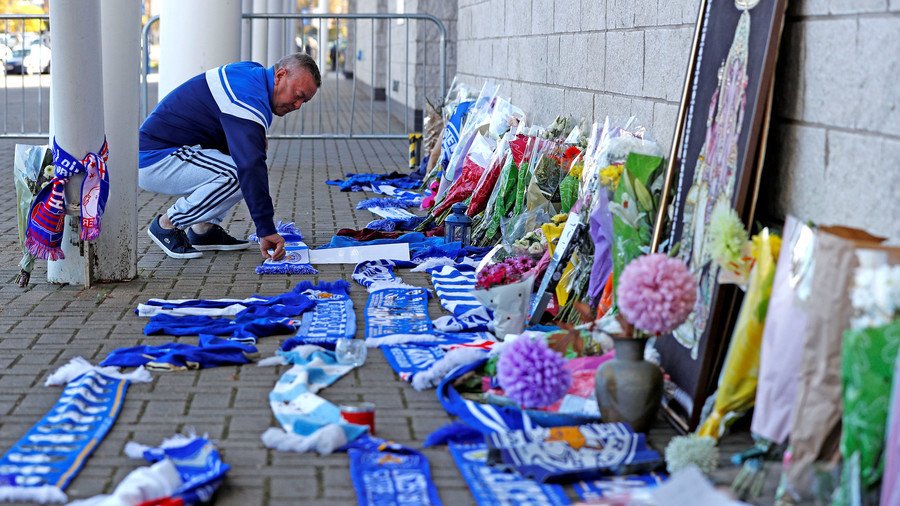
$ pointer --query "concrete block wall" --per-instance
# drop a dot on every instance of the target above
(834, 150)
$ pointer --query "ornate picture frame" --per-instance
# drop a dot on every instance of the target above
(716, 155)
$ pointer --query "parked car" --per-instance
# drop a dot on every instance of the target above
(33, 59)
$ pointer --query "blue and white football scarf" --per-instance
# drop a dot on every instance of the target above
(424, 365)
(210, 352)
(616, 485)
(389, 474)
(308, 422)
(575, 453)
(244, 328)
(410, 199)
(394, 224)
(493, 487)
(454, 289)
(43, 462)
(46, 217)
(222, 307)
(333, 317)
(365, 182)
(296, 257)
(187, 469)
(488, 418)
(377, 274)
(398, 315)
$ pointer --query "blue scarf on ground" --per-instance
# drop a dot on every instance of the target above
(398, 315)
(333, 317)
(424, 365)
(245, 328)
(541, 454)
(48, 210)
(488, 418)
(296, 257)
(491, 486)
(210, 352)
(606, 486)
(225, 307)
(388, 474)
(40, 465)
(365, 182)
(308, 422)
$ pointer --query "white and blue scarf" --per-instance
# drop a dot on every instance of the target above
(308, 422)
(388, 474)
(296, 252)
(454, 289)
(608, 448)
(333, 317)
(211, 351)
(424, 365)
(398, 315)
(187, 469)
(490, 486)
(44, 461)
(607, 486)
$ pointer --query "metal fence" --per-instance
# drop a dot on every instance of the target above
(350, 104)
(25, 55)
(383, 70)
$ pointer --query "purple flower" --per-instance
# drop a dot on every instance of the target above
(532, 374)
(656, 293)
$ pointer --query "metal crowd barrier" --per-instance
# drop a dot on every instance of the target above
(25, 97)
(314, 121)
(344, 108)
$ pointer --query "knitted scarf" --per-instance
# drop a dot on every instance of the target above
(398, 315)
(41, 464)
(47, 216)
(615, 486)
(187, 469)
(386, 473)
(333, 317)
(296, 258)
(308, 422)
(211, 352)
(490, 486)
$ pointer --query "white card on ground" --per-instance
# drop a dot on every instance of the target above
(357, 254)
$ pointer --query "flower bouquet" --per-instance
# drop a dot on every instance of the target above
(505, 288)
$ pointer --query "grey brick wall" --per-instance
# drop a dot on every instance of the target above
(834, 150)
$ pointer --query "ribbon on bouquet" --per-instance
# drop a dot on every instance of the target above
(48, 211)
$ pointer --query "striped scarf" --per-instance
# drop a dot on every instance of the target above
(47, 216)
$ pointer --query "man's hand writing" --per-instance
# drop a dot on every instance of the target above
(272, 242)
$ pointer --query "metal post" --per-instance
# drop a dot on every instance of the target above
(274, 48)
(259, 33)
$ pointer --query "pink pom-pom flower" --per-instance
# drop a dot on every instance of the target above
(531, 374)
(656, 293)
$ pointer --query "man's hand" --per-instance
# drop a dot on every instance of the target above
(272, 242)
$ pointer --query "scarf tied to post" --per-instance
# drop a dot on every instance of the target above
(48, 211)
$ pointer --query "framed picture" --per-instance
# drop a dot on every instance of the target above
(715, 157)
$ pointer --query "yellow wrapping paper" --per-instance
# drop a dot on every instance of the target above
(552, 231)
(737, 383)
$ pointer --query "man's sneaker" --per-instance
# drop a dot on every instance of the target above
(215, 239)
(173, 241)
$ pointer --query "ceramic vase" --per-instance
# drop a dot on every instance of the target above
(629, 389)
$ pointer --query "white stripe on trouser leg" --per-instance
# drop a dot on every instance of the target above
(206, 179)
(209, 203)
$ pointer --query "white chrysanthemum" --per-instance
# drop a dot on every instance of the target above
(700, 451)
(875, 296)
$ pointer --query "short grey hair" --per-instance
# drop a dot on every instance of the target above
(304, 61)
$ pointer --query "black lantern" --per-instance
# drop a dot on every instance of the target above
(458, 226)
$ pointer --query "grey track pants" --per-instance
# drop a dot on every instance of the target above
(206, 180)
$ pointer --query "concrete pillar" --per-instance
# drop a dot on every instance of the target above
(196, 36)
(246, 8)
(117, 246)
(275, 48)
(258, 50)
(76, 118)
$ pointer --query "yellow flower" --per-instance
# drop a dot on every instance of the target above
(609, 176)
(576, 169)
(774, 245)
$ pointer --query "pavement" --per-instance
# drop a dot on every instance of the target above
(44, 325)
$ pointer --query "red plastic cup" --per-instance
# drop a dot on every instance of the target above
(362, 413)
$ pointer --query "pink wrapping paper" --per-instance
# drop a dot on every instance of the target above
(782, 344)
(890, 482)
